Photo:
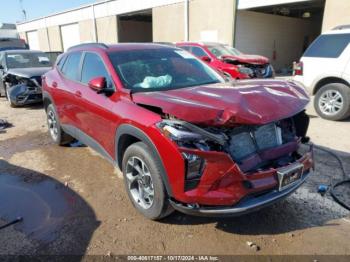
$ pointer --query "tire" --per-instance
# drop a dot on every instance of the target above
(55, 130)
(150, 180)
(332, 101)
(7, 95)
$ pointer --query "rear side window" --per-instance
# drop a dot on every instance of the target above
(328, 46)
(93, 67)
(70, 68)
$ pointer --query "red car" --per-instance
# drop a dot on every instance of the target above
(183, 138)
(230, 61)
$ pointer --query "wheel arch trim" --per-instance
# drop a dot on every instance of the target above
(130, 130)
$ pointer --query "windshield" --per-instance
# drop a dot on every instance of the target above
(223, 50)
(161, 69)
(27, 60)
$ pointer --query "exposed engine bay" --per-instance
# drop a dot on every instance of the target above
(23, 90)
(254, 70)
(252, 147)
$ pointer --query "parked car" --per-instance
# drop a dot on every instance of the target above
(53, 55)
(324, 70)
(20, 75)
(183, 138)
(230, 61)
(12, 43)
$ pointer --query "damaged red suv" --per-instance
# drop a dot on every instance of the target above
(230, 61)
(183, 137)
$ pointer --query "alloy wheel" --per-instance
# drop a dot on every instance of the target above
(331, 102)
(140, 182)
(52, 124)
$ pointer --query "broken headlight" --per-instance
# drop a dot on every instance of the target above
(245, 70)
(182, 132)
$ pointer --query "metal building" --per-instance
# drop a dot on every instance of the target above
(278, 29)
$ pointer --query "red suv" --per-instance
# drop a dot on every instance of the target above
(230, 61)
(183, 138)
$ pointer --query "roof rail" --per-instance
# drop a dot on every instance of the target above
(341, 27)
(99, 45)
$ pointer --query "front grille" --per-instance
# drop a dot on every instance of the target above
(248, 141)
(260, 71)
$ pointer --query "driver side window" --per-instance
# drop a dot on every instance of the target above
(93, 67)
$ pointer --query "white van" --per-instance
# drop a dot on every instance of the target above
(324, 70)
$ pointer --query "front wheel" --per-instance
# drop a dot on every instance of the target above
(332, 101)
(143, 182)
(8, 97)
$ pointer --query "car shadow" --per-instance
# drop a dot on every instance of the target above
(56, 219)
(303, 209)
(36, 106)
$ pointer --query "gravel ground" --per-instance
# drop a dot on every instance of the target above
(73, 202)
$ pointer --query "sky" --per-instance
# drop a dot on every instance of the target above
(10, 11)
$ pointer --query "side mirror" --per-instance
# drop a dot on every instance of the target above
(98, 84)
(1, 67)
(206, 59)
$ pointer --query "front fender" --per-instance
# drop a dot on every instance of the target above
(130, 130)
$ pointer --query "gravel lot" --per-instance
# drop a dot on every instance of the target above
(73, 202)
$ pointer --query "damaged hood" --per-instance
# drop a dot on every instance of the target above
(253, 102)
(28, 72)
(248, 59)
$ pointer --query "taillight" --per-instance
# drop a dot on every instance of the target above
(298, 68)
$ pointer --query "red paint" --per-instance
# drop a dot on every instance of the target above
(247, 102)
(97, 84)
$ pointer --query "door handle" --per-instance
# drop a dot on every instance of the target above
(78, 94)
(54, 84)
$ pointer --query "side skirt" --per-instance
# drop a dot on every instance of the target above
(89, 141)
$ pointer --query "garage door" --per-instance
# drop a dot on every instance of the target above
(33, 40)
(70, 35)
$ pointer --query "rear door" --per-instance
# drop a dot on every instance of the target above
(65, 90)
(96, 116)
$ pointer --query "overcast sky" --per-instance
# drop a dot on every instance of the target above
(10, 11)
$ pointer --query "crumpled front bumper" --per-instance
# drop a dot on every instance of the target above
(246, 205)
(24, 95)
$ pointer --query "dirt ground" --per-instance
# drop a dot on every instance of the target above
(73, 202)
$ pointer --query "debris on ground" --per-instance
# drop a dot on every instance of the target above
(253, 246)
(4, 124)
(17, 220)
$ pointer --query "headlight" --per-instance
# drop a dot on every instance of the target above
(178, 133)
(181, 131)
(194, 166)
(245, 70)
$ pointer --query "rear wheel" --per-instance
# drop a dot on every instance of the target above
(55, 129)
(332, 101)
(143, 182)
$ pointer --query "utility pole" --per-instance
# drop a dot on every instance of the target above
(23, 11)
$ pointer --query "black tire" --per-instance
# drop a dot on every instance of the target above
(160, 206)
(58, 136)
(11, 104)
(344, 92)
